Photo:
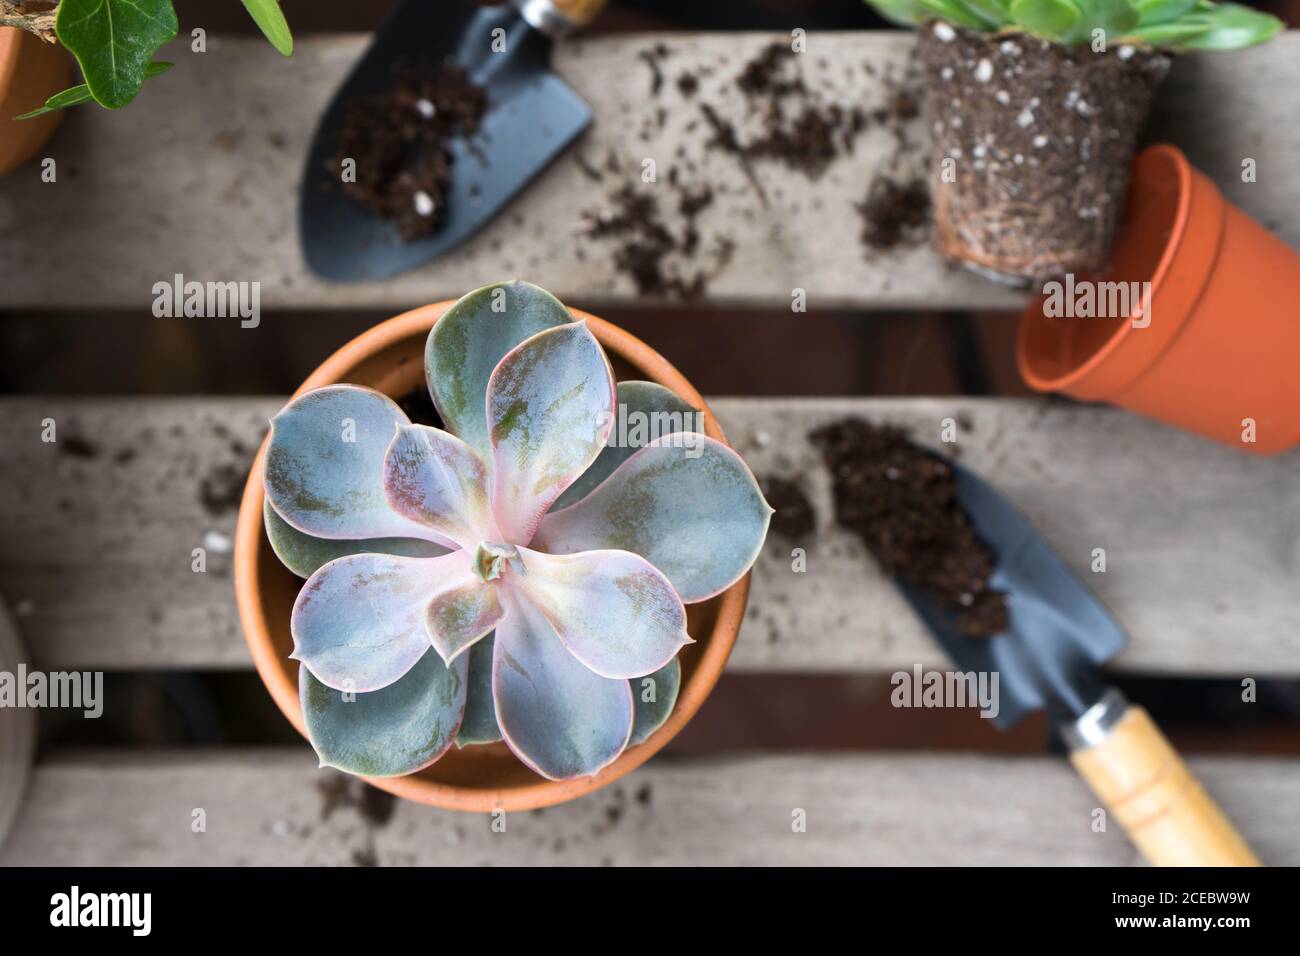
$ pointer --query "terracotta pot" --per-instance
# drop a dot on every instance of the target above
(390, 358)
(1031, 146)
(31, 71)
(1219, 344)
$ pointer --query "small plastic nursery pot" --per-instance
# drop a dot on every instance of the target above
(480, 779)
(1032, 144)
(31, 71)
(1217, 349)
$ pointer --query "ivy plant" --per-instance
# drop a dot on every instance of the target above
(114, 42)
(1167, 24)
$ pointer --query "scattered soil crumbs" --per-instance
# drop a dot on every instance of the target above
(420, 409)
(795, 518)
(647, 243)
(901, 500)
(783, 120)
(374, 806)
(798, 129)
(895, 213)
(399, 140)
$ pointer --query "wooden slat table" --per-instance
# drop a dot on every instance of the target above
(95, 553)
(199, 178)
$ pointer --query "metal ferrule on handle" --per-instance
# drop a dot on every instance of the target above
(1144, 783)
(558, 18)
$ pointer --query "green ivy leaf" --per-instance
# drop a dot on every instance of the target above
(1050, 19)
(1233, 27)
(270, 20)
(76, 95)
(114, 41)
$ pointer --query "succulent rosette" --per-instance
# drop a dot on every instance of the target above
(518, 576)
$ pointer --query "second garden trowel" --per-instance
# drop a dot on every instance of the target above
(1050, 658)
(531, 116)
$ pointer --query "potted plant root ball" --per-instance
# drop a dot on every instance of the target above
(1034, 109)
(523, 570)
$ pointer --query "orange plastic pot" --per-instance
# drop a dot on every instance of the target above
(390, 358)
(1218, 349)
(31, 71)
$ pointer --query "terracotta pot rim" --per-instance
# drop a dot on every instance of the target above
(716, 647)
(1100, 376)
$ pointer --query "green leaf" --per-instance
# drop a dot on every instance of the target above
(995, 13)
(905, 13)
(1162, 11)
(76, 95)
(954, 11)
(1233, 27)
(270, 20)
(113, 41)
(1050, 19)
(1115, 17)
(1170, 35)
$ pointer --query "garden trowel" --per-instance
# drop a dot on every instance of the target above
(1050, 658)
(532, 115)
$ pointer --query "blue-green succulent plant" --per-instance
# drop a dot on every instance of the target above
(515, 576)
(1165, 24)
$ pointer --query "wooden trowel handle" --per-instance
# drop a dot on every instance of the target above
(558, 17)
(1149, 790)
(581, 12)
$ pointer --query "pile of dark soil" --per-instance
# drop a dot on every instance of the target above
(794, 518)
(895, 213)
(647, 244)
(399, 141)
(901, 500)
(799, 130)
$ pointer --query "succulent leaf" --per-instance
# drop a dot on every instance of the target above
(1233, 27)
(359, 623)
(468, 342)
(433, 478)
(654, 697)
(399, 729)
(1162, 11)
(1115, 17)
(1171, 35)
(994, 13)
(700, 520)
(954, 11)
(304, 555)
(1051, 19)
(559, 718)
(550, 409)
(480, 724)
(662, 411)
(325, 465)
(460, 614)
(613, 610)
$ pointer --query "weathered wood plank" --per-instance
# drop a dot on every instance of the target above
(1202, 543)
(268, 808)
(200, 178)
